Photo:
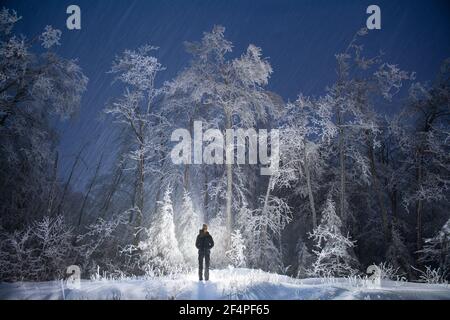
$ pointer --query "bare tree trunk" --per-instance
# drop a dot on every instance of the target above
(310, 193)
(341, 171)
(419, 204)
(86, 196)
(187, 166)
(229, 176)
(140, 191)
(206, 196)
(113, 189)
(66, 186)
(51, 198)
(264, 235)
(394, 209)
(267, 195)
(377, 188)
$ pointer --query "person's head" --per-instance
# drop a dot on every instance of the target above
(205, 227)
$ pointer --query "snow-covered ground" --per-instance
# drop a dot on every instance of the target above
(225, 284)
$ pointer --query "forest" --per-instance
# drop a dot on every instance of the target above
(356, 184)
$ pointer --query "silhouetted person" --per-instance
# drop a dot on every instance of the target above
(204, 243)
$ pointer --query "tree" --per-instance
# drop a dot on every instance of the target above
(218, 254)
(235, 87)
(304, 259)
(137, 70)
(360, 81)
(332, 254)
(262, 230)
(159, 251)
(305, 133)
(437, 249)
(35, 89)
(236, 252)
(421, 131)
(189, 223)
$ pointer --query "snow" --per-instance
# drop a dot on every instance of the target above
(231, 283)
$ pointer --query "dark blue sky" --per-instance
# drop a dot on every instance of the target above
(299, 37)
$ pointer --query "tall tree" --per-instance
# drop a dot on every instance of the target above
(137, 70)
(234, 86)
(36, 86)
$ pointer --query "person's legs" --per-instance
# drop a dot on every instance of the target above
(207, 266)
(200, 266)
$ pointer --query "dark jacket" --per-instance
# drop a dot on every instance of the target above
(204, 242)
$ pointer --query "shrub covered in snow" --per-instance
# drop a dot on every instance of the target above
(41, 251)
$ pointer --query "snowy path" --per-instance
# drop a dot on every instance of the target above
(225, 284)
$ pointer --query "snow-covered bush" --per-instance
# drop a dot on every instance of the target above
(332, 254)
(41, 251)
(432, 276)
(389, 272)
(97, 245)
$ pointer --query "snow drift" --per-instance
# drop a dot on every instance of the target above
(246, 284)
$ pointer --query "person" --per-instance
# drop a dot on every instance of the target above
(204, 243)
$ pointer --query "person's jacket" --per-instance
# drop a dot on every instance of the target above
(204, 242)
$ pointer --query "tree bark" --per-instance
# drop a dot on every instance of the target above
(187, 166)
(51, 198)
(229, 177)
(377, 188)
(419, 205)
(206, 196)
(310, 193)
(341, 171)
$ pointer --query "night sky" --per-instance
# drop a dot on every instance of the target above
(300, 38)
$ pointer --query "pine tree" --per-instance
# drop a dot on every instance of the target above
(333, 257)
(160, 251)
(236, 252)
(188, 230)
(437, 249)
(218, 229)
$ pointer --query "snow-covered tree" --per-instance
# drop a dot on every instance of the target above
(159, 251)
(397, 254)
(236, 253)
(304, 259)
(218, 229)
(99, 238)
(436, 250)
(188, 227)
(37, 87)
(332, 247)
(360, 83)
(137, 70)
(262, 230)
(234, 87)
(421, 131)
(303, 159)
